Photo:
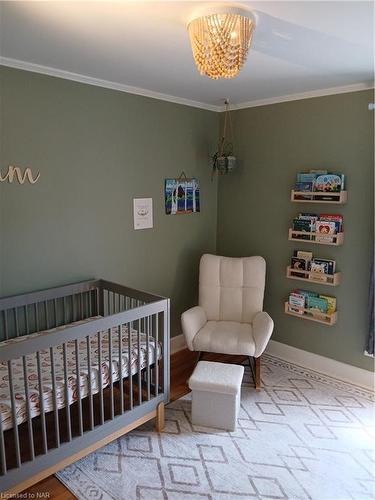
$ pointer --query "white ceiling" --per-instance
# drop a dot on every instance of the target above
(298, 47)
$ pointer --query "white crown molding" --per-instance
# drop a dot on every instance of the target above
(356, 87)
(321, 364)
(76, 77)
(59, 73)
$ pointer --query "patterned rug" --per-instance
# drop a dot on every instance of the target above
(304, 436)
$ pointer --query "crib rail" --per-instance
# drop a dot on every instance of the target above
(70, 387)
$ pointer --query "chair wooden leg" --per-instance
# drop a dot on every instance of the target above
(160, 418)
(257, 373)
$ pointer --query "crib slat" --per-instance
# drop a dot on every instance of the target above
(41, 404)
(26, 319)
(139, 326)
(55, 311)
(14, 414)
(28, 413)
(46, 311)
(54, 396)
(91, 409)
(101, 403)
(148, 357)
(64, 311)
(121, 381)
(3, 463)
(81, 306)
(110, 372)
(90, 303)
(78, 385)
(15, 309)
(6, 324)
(36, 316)
(156, 354)
(130, 378)
(73, 308)
(66, 386)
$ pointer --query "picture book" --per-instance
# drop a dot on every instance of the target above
(298, 301)
(305, 177)
(302, 225)
(331, 183)
(298, 264)
(308, 216)
(303, 186)
(317, 303)
(319, 270)
(337, 218)
(331, 303)
(305, 293)
(304, 255)
(330, 265)
(324, 229)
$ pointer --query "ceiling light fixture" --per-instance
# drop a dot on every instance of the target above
(220, 41)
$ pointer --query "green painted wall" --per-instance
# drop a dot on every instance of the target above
(254, 211)
(96, 149)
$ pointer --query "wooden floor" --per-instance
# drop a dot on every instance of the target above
(182, 364)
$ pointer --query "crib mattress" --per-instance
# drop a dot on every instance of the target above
(68, 395)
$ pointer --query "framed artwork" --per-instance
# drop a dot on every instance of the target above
(181, 195)
(142, 210)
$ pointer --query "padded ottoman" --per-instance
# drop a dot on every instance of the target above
(216, 394)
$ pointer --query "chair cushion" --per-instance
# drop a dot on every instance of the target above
(231, 289)
(222, 378)
(229, 337)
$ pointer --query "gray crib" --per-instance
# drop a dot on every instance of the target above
(80, 365)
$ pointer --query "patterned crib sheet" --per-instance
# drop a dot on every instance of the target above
(70, 395)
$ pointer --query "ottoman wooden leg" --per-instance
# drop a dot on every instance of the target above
(160, 418)
(257, 373)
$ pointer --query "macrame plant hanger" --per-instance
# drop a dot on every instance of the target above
(224, 161)
(227, 118)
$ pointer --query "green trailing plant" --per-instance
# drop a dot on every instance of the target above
(224, 161)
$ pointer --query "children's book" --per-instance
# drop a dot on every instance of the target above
(298, 264)
(306, 177)
(331, 303)
(303, 186)
(337, 218)
(319, 270)
(331, 183)
(296, 303)
(329, 265)
(304, 255)
(302, 225)
(324, 231)
(318, 304)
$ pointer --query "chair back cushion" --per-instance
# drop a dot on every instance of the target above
(231, 289)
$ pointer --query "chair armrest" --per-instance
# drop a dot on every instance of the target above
(192, 321)
(262, 331)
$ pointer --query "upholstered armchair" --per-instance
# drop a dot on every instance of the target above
(230, 318)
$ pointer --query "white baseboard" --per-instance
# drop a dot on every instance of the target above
(320, 364)
(178, 343)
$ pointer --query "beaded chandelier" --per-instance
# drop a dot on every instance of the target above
(220, 42)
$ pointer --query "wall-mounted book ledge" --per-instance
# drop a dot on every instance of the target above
(321, 278)
(328, 319)
(314, 197)
(318, 238)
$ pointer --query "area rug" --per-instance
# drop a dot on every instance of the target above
(303, 436)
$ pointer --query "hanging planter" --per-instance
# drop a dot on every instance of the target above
(224, 161)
